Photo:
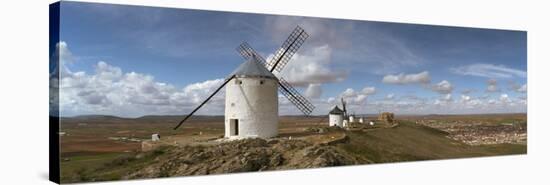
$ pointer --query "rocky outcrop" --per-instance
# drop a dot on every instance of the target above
(242, 156)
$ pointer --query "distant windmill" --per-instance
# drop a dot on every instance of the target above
(251, 99)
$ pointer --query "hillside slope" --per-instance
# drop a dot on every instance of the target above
(411, 142)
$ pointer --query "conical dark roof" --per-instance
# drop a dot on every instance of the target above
(252, 68)
(336, 110)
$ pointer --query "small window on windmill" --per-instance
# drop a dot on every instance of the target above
(232, 104)
(261, 82)
(238, 82)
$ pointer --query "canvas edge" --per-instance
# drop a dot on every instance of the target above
(54, 26)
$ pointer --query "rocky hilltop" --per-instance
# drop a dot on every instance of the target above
(242, 156)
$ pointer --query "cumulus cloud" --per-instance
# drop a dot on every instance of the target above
(111, 91)
(197, 90)
(441, 104)
(517, 87)
(61, 58)
(357, 97)
(349, 92)
(443, 87)
(469, 102)
(62, 52)
(368, 90)
(444, 100)
(489, 71)
(504, 98)
(314, 91)
(492, 86)
(447, 97)
(465, 98)
(401, 79)
(522, 89)
(312, 63)
(312, 67)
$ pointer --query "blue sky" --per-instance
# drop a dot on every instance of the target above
(388, 66)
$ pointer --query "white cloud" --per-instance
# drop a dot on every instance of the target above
(522, 89)
(390, 96)
(349, 92)
(504, 98)
(443, 87)
(312, 63)
(331, 100)
(448, 97)
(492, 86)
(355, 98)
(465, 98)
(469, 103)
(368, 90)
(401, 79)
(62, 57)
(197, 91)
(311, 67)
(62, 51)
(444, 100)
(517, 87)
(442, 104)
(489, 71)
(110, 91)
(314, 91)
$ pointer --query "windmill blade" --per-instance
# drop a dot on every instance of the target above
(246, 52)
(344, 106)
(204, 102)
(287, 50)
(296, 98)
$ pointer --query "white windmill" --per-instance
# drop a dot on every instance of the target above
(251, 98)
(336, 117)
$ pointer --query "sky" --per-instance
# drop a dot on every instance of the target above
(132, 61)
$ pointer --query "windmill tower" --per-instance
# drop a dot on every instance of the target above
(251, 102)
(251, 98)
(336, 117)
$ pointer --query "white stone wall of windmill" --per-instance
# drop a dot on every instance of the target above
(251, 104)
(336, 117)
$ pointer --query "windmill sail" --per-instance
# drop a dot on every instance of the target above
(287, 50)
(246, 52)
(204, 102)
(296, 98)
(281, 58)
(344, 107)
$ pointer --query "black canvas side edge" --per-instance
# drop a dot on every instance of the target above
(54, 166)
